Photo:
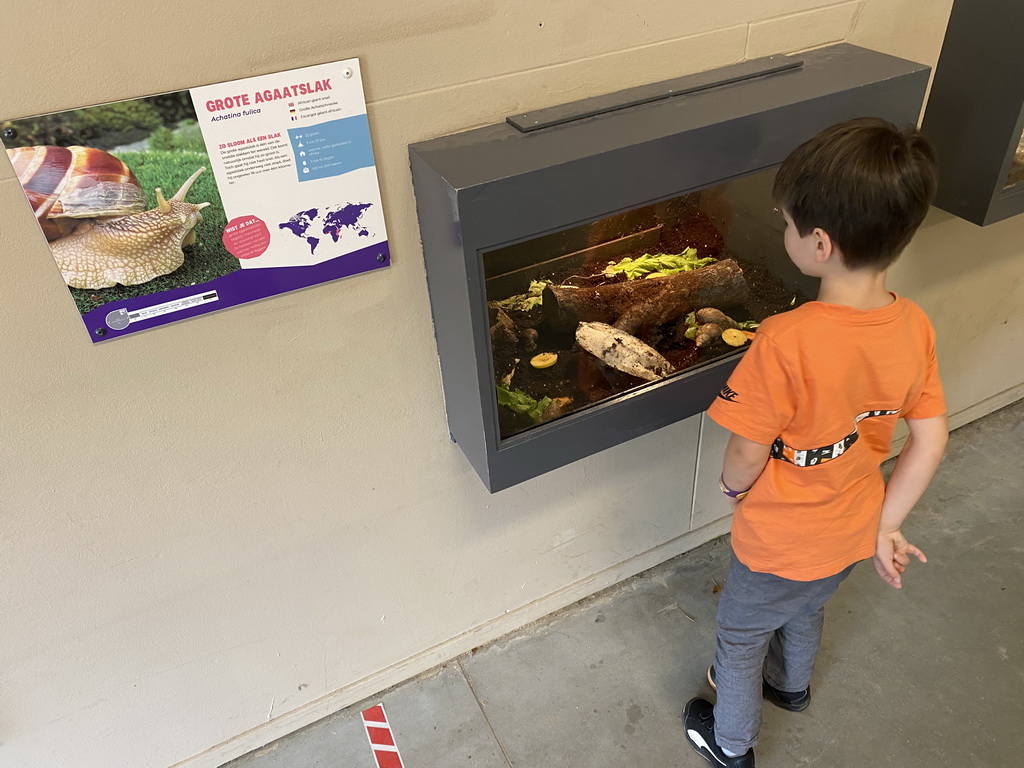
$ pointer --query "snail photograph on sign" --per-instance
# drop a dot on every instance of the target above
(119, 192)
(166, 207)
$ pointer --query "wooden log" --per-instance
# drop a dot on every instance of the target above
(631, 305)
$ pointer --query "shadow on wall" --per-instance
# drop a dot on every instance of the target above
(946, 246)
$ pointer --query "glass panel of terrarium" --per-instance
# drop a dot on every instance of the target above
(597, 287)
(1016, 174)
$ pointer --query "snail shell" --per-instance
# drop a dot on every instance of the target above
(66, 184)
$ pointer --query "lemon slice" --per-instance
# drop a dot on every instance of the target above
(544, 360)
(734, 337)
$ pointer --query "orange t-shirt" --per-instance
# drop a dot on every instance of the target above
(824, 384)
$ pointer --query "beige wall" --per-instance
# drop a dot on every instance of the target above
(220, 530)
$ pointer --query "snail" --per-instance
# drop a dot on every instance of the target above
(92, 209)
(131, 249)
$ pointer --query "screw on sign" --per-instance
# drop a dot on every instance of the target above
(382, 742)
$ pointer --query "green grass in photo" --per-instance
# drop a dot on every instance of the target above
(187, 137)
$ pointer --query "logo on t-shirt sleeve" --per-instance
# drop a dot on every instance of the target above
(729, 394)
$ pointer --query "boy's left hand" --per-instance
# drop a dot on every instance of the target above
(892, 554)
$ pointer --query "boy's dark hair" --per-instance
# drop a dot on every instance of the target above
(866, 182)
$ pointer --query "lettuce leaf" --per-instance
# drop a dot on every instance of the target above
(691, 326)
(657, 265)
(526, 301)
(522, 403)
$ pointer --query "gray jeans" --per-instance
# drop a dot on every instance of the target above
(767, 626)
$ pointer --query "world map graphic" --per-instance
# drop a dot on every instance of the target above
(307, 225)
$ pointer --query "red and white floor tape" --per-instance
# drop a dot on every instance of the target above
(382, 741)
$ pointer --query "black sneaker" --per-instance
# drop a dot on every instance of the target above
(699, 727)
(794, 702)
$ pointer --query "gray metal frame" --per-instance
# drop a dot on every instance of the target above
(975, 111)
(495, 186)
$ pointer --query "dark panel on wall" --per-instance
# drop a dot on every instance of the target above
(974, 115)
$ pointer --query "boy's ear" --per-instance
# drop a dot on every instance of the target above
(824, 248)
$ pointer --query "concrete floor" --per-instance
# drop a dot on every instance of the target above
(929, 676)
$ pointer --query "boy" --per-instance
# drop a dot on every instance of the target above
(812, 407)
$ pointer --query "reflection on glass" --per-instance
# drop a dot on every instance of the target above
(599, 309)
(1016, 175)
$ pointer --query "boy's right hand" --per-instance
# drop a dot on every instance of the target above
(892, 553)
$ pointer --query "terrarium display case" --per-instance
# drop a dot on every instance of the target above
(975, 112)
(575, 255)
